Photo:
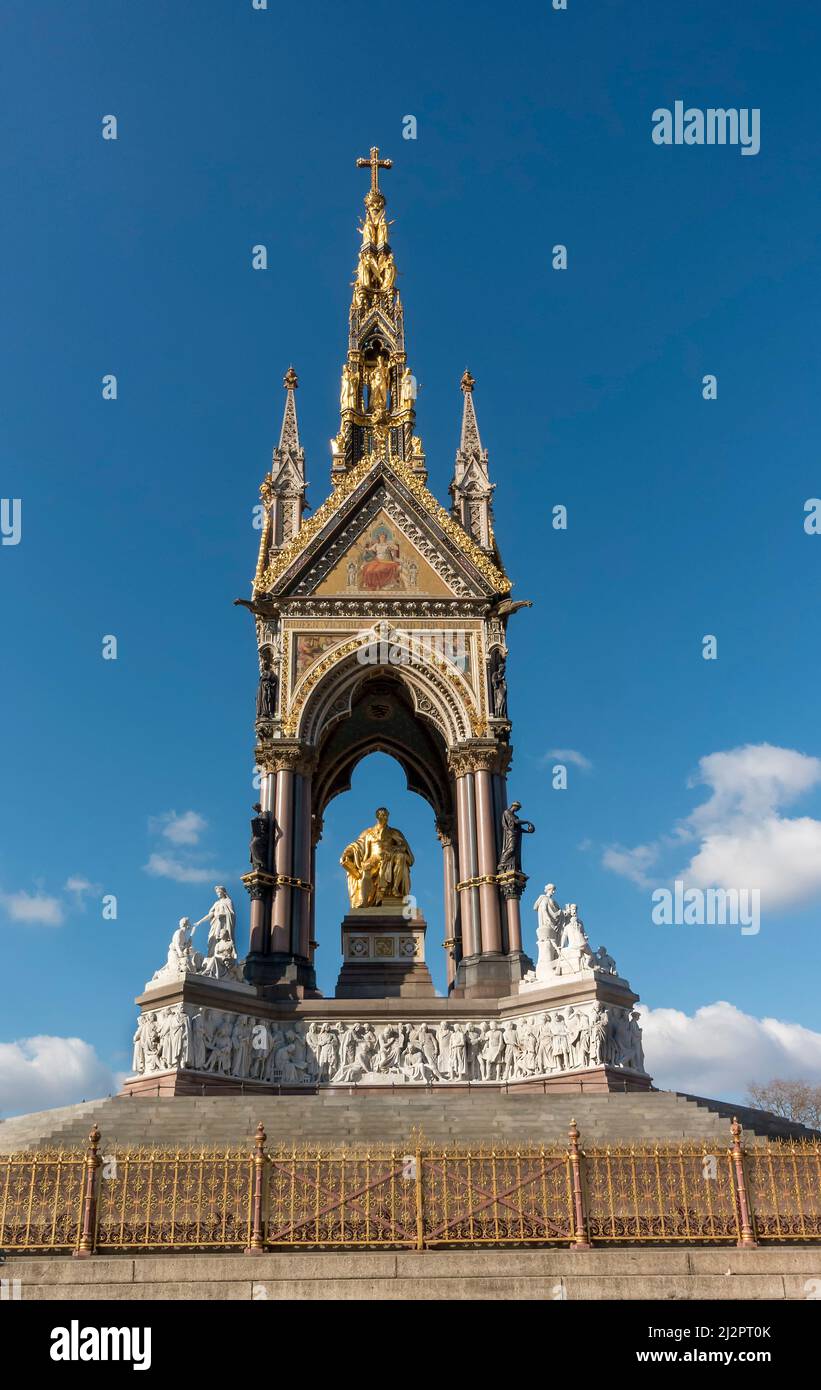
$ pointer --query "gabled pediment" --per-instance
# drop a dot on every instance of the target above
(381, 531)
(386, 556)
(287, 479)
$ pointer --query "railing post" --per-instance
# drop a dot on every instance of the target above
(257, 1244)
(420, 1210)
(747, 1234)
(85, 1247)
(580, 1241)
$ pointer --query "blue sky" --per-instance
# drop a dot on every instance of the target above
(686, 516)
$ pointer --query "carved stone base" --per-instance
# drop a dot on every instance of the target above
(282, 976)
(383, 957)
(199, 1038)
(591, 1081)
(489, 976)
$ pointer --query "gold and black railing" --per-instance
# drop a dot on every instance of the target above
(418, 1196)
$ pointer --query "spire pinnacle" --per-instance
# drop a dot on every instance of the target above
(470, 443)
(289, 434)
(377, 394)
(471, 489)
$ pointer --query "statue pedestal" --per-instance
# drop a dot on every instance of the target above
(383, 955)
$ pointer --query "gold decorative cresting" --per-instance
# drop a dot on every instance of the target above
(499, 582)
(378, 864)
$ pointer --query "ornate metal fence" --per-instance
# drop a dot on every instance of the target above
(496, 1197)
(421, 1197)
(154, 1199)
(41, 1200)
(784, 1185)
(635, 1195)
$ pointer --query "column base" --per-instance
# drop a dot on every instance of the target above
(490, 975)
(281, 976)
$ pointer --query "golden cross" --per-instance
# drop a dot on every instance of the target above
(375, 164)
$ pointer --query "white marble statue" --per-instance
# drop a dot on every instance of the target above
(548, 933)
(563, 947)
(222, 918)
(604, 961)
(575, 953)
(220, 961)
(182, 958)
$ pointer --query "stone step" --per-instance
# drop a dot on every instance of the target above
(453, 1275)
(334, 1118)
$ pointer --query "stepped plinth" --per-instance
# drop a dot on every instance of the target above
(383, 954)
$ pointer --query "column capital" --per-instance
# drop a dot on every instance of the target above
(283, 755)
(479, 756)
(446, 830)
(258, 883)
(511, 883)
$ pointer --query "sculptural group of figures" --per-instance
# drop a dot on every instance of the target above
(219, 960)
(247, 1048)
(562, 941)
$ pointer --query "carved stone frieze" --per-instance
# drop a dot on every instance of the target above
(332, 1052)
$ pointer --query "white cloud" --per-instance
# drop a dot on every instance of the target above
(780, 857)
(184, 829)
(80, 887)
(568, 755)
(719, 1050)
(167, 866)
(751, 782)
(39, 1072)
(631, 863)
(744, 840)
(34, 908)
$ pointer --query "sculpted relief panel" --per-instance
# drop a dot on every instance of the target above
(326, 1052)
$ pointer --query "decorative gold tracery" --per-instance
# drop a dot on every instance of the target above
(439, 681)
(311, 527)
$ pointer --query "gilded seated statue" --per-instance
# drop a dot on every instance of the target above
(378, 864)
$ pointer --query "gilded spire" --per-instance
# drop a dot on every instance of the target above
(378, 390)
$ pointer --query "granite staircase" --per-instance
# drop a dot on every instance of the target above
(351, 1118)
